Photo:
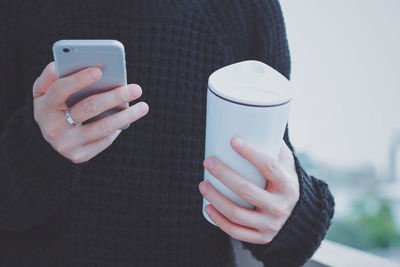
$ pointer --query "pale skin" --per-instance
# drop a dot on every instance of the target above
(274, 204)
(83, 142)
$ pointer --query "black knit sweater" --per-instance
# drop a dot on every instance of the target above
(137, 203)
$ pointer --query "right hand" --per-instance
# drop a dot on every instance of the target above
(83, 142)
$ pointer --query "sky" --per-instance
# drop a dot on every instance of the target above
(345, 72)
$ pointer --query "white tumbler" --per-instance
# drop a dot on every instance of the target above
(248, 99)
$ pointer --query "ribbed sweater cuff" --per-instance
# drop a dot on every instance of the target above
(304, 230)
(29, 155)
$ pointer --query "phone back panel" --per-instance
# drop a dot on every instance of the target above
(109, 55)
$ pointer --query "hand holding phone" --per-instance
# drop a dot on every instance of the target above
(83, 142)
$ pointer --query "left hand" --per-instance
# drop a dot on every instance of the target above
(274, 204)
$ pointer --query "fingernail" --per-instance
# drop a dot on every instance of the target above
(94, 74)
(133, 91)
(203, 187)
(237, 142)
(209, 163)
(208, 210)
(143, 107)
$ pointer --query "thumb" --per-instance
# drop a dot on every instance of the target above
(286, 158)
(45, 80)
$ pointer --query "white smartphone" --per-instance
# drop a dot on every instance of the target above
(71, 56)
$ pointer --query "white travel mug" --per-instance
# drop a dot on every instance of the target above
(248, 99)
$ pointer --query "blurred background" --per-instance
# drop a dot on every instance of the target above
(345, 118)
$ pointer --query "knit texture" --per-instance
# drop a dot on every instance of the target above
(137, 203)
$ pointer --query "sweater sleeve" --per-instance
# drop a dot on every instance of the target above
(255, 29)
(34, 178)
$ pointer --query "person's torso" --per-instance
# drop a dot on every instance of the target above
(137, 203)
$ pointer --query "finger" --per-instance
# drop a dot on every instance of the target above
(286, 158)
(90, 150)
(106, 126)
(246, 190)
(268, 165)
(234, 230)
(96, 104)
(45, 80)
(229, 209)
(64, 87)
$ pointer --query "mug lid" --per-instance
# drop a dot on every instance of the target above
(251, 82)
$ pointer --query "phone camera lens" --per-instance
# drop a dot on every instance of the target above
(66, 50)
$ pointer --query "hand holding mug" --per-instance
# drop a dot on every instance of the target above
(274, 204)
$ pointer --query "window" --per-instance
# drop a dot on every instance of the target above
(345, 118)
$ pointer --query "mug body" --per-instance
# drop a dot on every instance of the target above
(262, 126)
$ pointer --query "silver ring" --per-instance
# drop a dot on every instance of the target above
(70, 120)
